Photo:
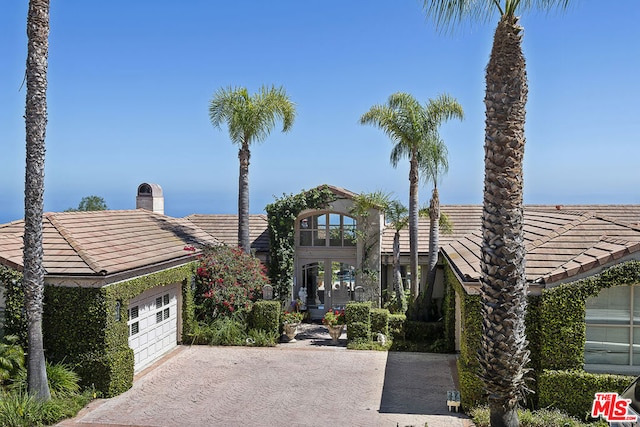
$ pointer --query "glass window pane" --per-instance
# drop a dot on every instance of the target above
(349, 235)
(335, 235)
(610, 307)
(607, 345)
(305, 238)
(320, 221)
(320, 238)
(636, 307)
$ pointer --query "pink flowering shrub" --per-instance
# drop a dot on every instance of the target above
(228, 281)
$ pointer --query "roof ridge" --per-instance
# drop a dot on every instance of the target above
(581, 218)
(66, 235)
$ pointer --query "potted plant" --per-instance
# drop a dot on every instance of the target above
(290, 322)
(334, 320)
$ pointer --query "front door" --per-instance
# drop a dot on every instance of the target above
(326, 284)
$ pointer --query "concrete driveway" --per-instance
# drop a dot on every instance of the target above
(306, 383)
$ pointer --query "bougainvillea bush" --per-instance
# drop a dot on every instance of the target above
(228, 281)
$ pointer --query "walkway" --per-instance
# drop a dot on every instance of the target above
(309, 382)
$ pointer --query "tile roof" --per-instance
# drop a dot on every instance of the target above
(560, 244)
(105, 242)
(225, 228)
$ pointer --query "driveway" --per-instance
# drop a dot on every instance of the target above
(306, 383)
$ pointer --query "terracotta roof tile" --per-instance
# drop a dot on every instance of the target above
(106, 242)
(225, 228)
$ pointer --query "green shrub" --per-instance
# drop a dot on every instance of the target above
(427, 332)
(227, 331)
(65, 407)
(358, 312)
(228, 281)
(573, 391)
(359, 331)
(262, 338)
(11, 358)
(539, 418)
(396, 326)
(265, 315)
(20, 409)
(379, 321)
(471, 387)
(63, 381)
(369, 345)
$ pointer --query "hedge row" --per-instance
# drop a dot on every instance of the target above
(556, 332)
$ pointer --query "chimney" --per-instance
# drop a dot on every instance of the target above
(150, 198)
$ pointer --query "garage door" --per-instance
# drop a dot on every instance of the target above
(152, 324)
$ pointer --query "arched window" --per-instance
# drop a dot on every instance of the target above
(327, 229)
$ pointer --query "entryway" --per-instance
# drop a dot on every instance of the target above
(326, 284)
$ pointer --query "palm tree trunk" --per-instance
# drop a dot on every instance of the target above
(434, 238)
(397, 275)
(413, 225)
(35, 123)
(243, 200)
(503, 354)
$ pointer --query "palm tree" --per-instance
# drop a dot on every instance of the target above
(434, 162)
(503, 354)
(396, 215)
(411, 126)
(35, 124)
(250, 118)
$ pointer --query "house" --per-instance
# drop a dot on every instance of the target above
(114, 282)
(115, 279)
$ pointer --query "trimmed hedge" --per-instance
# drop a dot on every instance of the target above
(556, 332)
(80, 326)
(573, 391)
(396, 326)
(359, 331)
(379, 322)
(265, 315)
(358, 312)
(358, 318)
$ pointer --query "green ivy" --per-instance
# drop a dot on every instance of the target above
(80, 326)
(573, 391)
(15, 323)
(282, 216)
(556, 332)
(563, 314)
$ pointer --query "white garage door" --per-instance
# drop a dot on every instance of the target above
(153, 324)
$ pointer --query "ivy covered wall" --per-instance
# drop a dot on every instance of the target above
(556, 331)
(282, 216)
(80, 326)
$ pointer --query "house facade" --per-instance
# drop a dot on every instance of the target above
(122, 274)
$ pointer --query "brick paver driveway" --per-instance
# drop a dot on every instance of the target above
(289, 385)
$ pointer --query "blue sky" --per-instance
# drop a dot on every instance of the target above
(130, 83)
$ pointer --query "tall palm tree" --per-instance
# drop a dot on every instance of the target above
(503, 354)
(411, 125)
(35, 124)
(396, 215)
(250, 119)
(434, 162)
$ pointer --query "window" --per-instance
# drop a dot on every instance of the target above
(613, 327)
(327, 230)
